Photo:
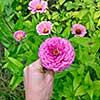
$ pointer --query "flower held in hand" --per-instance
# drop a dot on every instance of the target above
(56, 54)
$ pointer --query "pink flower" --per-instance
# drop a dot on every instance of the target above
(56, 54)
(19, 35)
(79, 30)
(44, 27)
(37, 6)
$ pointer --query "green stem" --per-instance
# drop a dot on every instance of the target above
(26, 17)
(38, 16)
(50, 35)
(6, 22)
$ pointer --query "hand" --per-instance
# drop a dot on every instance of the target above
(38, 82)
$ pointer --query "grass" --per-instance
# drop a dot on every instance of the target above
(5, 90)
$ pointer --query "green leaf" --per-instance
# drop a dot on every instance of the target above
(59, 29)
(34, 21)
(81, 69)
(88, 1)
(28, 24)
(88, 79)
(90, 92)
(96, 44)
(5, 65)
(76, 82)
(61, 2)
(82, 13)
(55, 15)
(83, 41)
(15, 62)
(2, 4)
(15, 81)
(91, 23)
(6, 53)
(14, 69)
(8, 2)
(80, 91)
(96, 87)
(48, 15)
(88, 83)
(98, 23)
(66, 32)
(96, 67)
(78, 76)
(96, 15)
(19, 24)
(70, 5)
(60, 75)
(18, 49)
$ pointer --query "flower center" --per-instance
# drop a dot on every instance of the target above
(38, 7)
(19, 36)
(55, 52)
(78, 31)
(45, 30)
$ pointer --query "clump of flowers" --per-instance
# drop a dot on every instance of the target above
(37, 6)
(19, 35)
(56, 54)
(44, 27)
(79, 30)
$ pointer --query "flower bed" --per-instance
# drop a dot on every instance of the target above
(64, 34)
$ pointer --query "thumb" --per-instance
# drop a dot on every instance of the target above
(49, 75)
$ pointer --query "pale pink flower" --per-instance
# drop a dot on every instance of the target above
(79, 30)
(37, 6)
(56, 54)
(19, 35)
(44, 27)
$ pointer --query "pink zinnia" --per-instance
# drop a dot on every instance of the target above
(56, 54)
(79, 30)
(44, 27)
(37, 6)
(19, 35)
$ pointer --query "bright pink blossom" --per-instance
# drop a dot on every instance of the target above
(44, 27)
(37, 6)
(56, 54)
(19, 35)
(79, 30)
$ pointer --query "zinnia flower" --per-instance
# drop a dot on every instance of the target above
(56, 54)
(37, 6)
(44, 27)
(79, 30)
(19, 35)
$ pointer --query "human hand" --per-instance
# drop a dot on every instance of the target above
(38, 83)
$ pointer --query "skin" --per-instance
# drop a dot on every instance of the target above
(38, 82)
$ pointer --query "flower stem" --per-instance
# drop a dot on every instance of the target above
(27, 16)
(50, 36)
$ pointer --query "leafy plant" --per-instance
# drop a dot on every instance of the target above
(79, 82)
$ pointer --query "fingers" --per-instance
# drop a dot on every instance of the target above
(49, 76)
(26, 75)
(37, 67)
(50, 72)
(34, 69)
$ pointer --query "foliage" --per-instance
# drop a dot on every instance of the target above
(82, 80)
